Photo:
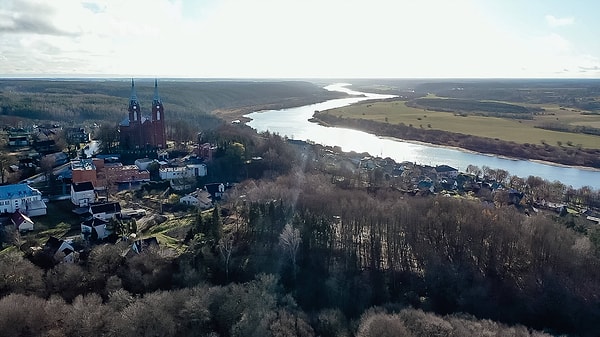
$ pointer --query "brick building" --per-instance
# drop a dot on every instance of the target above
(86, 170)
(102, 174)
(143, 132)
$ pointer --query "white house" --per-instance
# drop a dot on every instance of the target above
(59, 250)
(188, 171)
(21, 197)
(83, 194)
(446, 171)
(95, 229)
(139, 246)
(143, 163)
(199, 198)
(105, 211)
(216, 190)
(21, 221)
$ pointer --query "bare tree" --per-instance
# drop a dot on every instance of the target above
(226, 248)
(108, 136)
(47, 164)
(475, 170)
(290, 239)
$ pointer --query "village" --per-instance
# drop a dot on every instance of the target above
(97, 197)
(57, 175)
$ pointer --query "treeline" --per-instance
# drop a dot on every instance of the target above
(566, 92)
(105, 101)
(470, 106)
(588, 130)
(256, 308)
(574, 156)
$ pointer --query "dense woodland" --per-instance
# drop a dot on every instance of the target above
(189, 104)
(299, 248)
(471, 106)
(295, 253)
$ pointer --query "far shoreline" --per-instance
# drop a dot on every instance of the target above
(503, 148)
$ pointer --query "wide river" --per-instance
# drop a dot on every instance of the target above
(294, 123)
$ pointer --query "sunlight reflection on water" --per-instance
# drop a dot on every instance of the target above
(294, 123)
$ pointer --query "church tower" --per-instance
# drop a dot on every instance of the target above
(158, 122)
(135, 113)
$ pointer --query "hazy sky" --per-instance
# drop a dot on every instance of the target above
(300, 38)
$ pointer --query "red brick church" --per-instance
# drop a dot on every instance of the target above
(143, 132)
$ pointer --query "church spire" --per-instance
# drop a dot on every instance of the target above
(156, 96)
(134, 106)
(133, 100)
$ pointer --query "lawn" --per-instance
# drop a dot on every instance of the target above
(59, 222)
(172, 232)
(520, 131)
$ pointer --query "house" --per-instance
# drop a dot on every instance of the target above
(76, 135)
(21, 197)
(216, 190)
(187, 171)
(449, 184)
(18, 140)
(95, 229)
(143, 244)
(45, 146)
(106, 170)
(143, 163)
(85, 170)
(515, 196)
(118, 173)
(57, 158)
(21, 221)
(445, 171)
(367, 163)
(105, 211)
(426, 185)
(83, 194)
(205, 151)
(199, 198)
(57, 250)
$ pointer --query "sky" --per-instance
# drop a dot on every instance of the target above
(300, 38)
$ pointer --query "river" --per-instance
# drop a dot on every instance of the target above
(294, 123)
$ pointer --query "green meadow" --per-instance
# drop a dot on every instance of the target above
(517, 130)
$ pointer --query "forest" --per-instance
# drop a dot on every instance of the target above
(293, 252)
(470, 106)
(301, 248)
(105, 101)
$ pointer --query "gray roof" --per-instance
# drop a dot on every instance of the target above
(445, 168)
(111, 207)
(83, 186)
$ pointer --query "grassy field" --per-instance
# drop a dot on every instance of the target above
(520, 131)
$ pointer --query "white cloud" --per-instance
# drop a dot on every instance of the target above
(553, 21)
(272, 38)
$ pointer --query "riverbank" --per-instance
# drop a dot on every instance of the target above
(238, 113)
(568, 156)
